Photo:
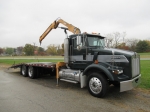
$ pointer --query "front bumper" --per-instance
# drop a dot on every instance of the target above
(130, 84)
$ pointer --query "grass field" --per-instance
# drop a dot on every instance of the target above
(17, 61)
(26, 59)
(145, 71)
(145, 65)
(144, 55)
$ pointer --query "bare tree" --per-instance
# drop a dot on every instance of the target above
(123, 36)
(132, 43)
(109, 40)
(115, 39)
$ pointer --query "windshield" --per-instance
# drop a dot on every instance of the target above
(96, 42)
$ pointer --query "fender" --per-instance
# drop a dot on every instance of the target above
(101, 68)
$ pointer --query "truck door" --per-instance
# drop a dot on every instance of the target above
(78, 56)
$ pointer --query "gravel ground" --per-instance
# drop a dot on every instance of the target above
(22, 94)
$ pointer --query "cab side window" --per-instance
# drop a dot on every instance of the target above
(74, 42)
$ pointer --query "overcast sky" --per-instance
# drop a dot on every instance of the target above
(23, 21)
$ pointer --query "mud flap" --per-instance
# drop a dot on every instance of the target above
(82, 80)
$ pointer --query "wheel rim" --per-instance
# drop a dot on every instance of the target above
(95, 85)
(23, 70)
(30, 71)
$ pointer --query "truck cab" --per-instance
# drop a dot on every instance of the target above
(82, 49)
(86, 55)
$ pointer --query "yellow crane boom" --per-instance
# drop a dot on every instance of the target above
(55, 24)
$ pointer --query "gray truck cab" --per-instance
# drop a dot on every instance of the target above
(102, 66)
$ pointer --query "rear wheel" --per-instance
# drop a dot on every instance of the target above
(24, 70)
(31, 72)
(97, 85)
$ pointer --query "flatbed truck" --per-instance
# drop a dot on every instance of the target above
(88, 62)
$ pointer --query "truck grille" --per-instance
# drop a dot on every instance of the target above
(135, 66)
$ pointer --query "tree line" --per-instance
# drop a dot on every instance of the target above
(30, 50)
(114, 40)
(119, 40)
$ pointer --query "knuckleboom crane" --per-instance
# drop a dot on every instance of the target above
(55, 24)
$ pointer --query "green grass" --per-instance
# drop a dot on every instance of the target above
(145, 71)
(144, 55)
(27, 57)
(17, 61)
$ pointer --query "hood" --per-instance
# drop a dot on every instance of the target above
(111, 51)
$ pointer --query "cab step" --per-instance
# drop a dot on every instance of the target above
(75, 82)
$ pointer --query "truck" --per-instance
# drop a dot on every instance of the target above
(89, 62)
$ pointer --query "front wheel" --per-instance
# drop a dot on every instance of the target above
(97, 85)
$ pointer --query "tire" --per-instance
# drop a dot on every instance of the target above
(31, 72)
(97, 85)
(24, 70)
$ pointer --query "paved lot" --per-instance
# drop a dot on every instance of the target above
(21, 94)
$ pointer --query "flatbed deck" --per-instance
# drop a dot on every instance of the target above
(36, 64)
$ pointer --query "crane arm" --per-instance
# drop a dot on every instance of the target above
(55, 24)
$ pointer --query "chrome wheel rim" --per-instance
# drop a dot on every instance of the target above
(23, 70)
(95, 85)
(30, 71)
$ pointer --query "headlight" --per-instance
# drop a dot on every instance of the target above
(117, 72)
